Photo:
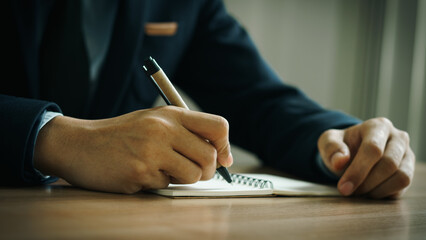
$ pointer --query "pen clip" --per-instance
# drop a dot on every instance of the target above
(156, 86)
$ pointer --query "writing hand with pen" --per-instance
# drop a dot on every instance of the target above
(146, 149)
(140, 150)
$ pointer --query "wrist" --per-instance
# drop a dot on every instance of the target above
(57, 145)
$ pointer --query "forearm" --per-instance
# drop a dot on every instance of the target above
(285, 132)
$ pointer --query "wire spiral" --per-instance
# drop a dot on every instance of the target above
(247, 181)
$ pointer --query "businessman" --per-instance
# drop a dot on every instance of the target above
(75, 104)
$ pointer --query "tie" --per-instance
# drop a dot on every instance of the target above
(64, 66)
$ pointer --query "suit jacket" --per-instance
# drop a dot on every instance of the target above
(210, 57)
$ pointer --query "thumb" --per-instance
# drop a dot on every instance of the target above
(224, 155)
(334, 152)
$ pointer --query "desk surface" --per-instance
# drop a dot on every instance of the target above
(64, 212)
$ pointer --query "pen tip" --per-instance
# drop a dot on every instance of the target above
(225, 174)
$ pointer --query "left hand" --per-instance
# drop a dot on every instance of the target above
(373, 158)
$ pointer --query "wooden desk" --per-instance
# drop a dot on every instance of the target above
(64, 212)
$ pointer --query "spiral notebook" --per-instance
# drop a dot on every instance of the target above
(246, 185)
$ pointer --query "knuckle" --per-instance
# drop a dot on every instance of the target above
(161, 180)
(384, 121)
(329, 134)
(332, 132)
(380, 121)
(331, 146)
(223, 124)
(405, 136)
(142, 178)
(389, 164)
(327, 140)
(211, 155)
(208, 157)
(138, 172)
(194, 177)
(156, 126)
(373, 148)
(208, 174)
(172, 109)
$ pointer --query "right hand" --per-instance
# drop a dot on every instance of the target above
(145, 149)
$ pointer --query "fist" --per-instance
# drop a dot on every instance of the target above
(372, 158)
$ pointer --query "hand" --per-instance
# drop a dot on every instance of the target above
(373, 158)
(145, 149)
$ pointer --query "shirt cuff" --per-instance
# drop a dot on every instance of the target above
(324, 169)
(45, 118)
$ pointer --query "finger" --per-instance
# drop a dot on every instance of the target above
(334, 152)
(374, 139)
(180, 169)
(154, 180)
(197, 150)
(399, 181)
(213, 128)
(386, 167)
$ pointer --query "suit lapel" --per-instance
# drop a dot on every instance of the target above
(115, 74)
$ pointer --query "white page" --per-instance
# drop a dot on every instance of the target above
(217, 187)
(291, 187)
(211, 188)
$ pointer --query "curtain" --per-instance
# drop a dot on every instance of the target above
(401, 81)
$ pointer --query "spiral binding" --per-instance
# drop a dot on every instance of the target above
(247, 181)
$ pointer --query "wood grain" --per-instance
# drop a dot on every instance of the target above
(60, 211)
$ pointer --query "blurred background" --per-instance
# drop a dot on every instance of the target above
(363, 57)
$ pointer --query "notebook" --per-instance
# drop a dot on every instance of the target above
(246, 185)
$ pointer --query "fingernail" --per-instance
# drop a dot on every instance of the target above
(346, 188)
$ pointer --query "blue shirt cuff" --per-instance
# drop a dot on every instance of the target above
(44, 119)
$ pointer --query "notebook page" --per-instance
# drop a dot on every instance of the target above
(291, 187)
(216, 187)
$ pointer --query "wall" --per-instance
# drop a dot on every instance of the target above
(366, 58)
(311, 44)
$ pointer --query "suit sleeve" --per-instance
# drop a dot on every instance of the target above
(224, 73)
(19, 122)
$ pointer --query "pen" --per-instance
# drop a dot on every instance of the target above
(171, 96)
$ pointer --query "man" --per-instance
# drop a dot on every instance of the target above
(87, 59)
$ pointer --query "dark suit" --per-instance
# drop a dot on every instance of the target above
(210, 57)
